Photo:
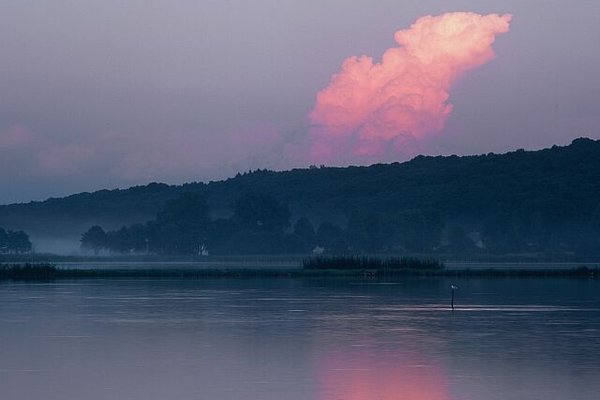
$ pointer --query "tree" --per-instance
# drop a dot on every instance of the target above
(459, 241)
(3, 241)
(181, 227)
(331, 237)
(305, 231)
(219, 235)
(21, 242)
(14, 242)
(94, 239)
(119, 241)
(138, 238)
(500, 234)
(416, 230)
(257, 211)
(365, 232)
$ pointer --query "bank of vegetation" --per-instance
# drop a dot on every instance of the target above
(371, 263)
(28, 271)
(537, 204)
(47, 272)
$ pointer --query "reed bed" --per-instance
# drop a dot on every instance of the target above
(367, 271)
(371, 263)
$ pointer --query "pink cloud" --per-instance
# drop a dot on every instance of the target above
(372, 109)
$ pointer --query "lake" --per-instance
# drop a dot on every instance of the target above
(292, 339)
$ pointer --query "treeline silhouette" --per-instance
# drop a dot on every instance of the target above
(259, 225)
(522, 202)
(14, 242)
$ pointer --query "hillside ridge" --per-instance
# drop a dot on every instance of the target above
(561, 182)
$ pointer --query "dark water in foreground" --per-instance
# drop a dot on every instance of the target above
(300, 339)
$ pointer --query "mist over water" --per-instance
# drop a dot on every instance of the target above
(301, 339)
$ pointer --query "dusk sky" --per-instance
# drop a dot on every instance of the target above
(107, 94)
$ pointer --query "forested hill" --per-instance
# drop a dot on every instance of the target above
(555, 188)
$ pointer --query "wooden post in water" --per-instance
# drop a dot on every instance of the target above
(452, 301)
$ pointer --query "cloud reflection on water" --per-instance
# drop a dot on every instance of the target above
(364, 375)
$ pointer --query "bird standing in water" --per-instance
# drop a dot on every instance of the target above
(452, 302)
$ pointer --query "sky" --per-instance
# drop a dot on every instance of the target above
(107, 94)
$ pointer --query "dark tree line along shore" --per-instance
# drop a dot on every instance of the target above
(262, 225)
(259, 225)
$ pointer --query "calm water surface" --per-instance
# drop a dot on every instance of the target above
(300, 339)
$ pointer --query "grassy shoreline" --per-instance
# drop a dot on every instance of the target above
(297, 259)
(46, 272)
